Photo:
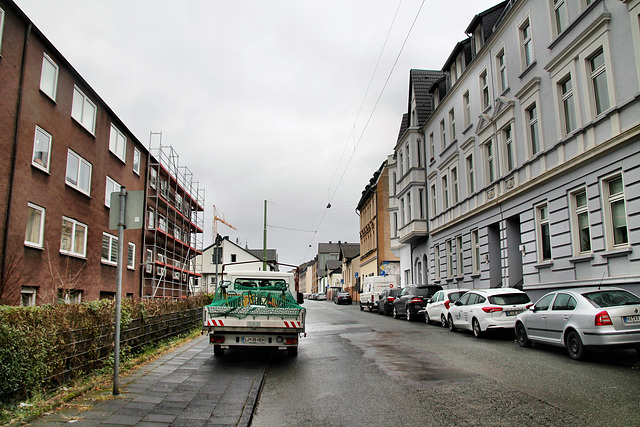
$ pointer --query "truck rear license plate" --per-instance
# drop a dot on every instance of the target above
(254, 340)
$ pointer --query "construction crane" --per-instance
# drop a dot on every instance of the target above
(218, 216)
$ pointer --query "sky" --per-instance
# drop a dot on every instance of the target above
(296, 102)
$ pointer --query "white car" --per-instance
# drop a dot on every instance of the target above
(482, 309)
(437, 309)
(580, 318)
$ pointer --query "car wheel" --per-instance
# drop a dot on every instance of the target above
(407, 314)
(443, 321)
(521, 336)
(574, 346)
(477, 332)
(427, 319)
(395, 312)
(452, 327)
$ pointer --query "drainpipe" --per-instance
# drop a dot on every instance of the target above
(5, 243)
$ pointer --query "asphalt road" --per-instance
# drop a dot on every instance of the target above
(360, 368)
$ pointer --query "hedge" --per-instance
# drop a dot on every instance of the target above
(44, 347)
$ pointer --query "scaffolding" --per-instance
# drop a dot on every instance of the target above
(174, 226)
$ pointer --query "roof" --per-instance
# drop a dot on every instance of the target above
(404, 125)
(349, 250)
(419, 83)
(272, 254)
(370, 188)
(488, 19)
(328, 248)
(461, 46)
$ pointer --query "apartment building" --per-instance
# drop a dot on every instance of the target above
(64, 152)
(535, 134)
(376, 256)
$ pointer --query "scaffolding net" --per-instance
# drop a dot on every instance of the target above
(255, 297)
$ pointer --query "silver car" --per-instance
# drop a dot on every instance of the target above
(581, 318)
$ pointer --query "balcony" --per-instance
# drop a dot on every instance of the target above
(416, 230)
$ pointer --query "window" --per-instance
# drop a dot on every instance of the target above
(112, 187)
(434, 209)
(559, 16)
(445, 193)
(118, 143)
(454, 185)
(490, 159)
(466, 105)
(599, 82)
(568, 109)
(406, 149)
(234, 257)
(162, 223)
(70, 296)
(509, 149)
(449, 249)
(475, 251)
(615, 212)
(534, 137)
(73, 239)
(409, 216)
(502, 70)
(27, 296)
(564, 302)
(49, 77)
(459, 269)
(401, 163)
(471, 184)
(78, 173)
(148, 261)
(1, 27)
(34, 234)
(432, 148)
(109, 249)
(526, 44)
(151, 219)
(544, 303)
(443, 135)
(582, 233)
(83, 110)
(437, 261)
(402, 213)
(421, 202)
(419, 152)
(153, 178)
(136, 161)
(452, 124)
(131, 256)
(544, 236)
(41, 149)
(484, 90)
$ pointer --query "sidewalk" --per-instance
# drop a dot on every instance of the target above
(184, 387)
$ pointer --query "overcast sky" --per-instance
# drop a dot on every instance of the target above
(262, 99)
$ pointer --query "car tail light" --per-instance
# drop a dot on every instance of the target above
(416, 301)
(447, 303)
(529, 306)
(216, 339)
(491, 309)
(603, 319)
(391, 299)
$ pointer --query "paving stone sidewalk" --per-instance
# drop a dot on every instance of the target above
(185, 387)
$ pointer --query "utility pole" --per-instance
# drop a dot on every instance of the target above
(116, 340)
(264, 240)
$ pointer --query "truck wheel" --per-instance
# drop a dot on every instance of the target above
(292, 351)
(218, 351)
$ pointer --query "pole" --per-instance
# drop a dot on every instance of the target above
(264, 240)
(116, 339)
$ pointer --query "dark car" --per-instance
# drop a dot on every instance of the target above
(342, 298)
(412, 299)
(385, 303)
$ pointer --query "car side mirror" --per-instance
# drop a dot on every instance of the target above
(428, 301)
(457, 303)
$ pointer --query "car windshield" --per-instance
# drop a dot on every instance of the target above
(508, 299)
(425, 292)
(394, 292)
(611, 298)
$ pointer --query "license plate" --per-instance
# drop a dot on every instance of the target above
(253, 340)
(513, 312)
(631, 319)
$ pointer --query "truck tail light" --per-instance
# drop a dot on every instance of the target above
(603, 319)
(216, 339)
(491, 309)
(291, 341)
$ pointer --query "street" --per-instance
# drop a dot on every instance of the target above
(361, 368)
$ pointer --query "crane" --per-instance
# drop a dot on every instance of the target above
(218, 216)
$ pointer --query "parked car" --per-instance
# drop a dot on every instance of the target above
(582, 318)
(342, 298)
(479, 310)
(412, 299)
(437, 308)
(387, 297)
(321, 296)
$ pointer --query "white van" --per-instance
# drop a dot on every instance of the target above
(372, 286)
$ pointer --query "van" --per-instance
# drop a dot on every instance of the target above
(372, 286)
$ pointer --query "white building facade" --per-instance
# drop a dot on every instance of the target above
(532, 152)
